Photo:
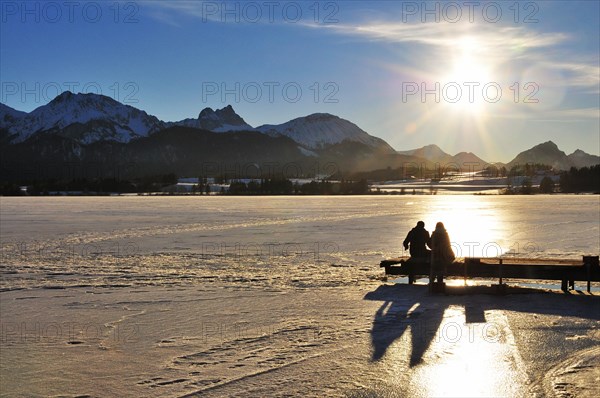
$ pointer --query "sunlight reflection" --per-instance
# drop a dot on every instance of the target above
(475, 227)
(471, 359)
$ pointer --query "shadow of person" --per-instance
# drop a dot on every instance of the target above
(424, 331)
(411, 307)
(400, 309)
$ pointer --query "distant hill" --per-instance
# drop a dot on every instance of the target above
(546, 153)
(581, 159)
(467, 161)
(430, 152)
(549, 154)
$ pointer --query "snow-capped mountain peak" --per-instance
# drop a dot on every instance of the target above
(86, 117)
(218, 121)
(318, 130)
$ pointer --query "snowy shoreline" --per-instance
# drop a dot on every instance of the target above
(213, 340)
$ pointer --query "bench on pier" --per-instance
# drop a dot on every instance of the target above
(567, 271)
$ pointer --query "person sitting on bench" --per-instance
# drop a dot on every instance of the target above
(418, 239)
(442, 253)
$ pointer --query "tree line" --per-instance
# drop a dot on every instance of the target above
(91, 186)
(287, 187)
(585, 179)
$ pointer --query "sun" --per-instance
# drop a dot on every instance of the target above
(468, 73)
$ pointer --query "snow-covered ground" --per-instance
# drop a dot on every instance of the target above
(460, 183)
(283, 296)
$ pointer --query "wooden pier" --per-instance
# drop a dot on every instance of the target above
(567, 271)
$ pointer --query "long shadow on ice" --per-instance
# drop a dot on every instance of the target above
(400, 309)
(411, 307)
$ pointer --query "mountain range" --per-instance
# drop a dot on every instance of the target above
(549, 154)
(90, 118)
(96, 129)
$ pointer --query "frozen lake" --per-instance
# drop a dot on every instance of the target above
(283, 296)
(106, 241)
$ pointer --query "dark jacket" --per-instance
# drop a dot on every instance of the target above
(441, 249)
(418, 238)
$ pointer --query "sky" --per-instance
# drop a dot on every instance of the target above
(492, 78)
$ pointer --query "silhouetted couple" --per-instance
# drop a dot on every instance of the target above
(440, 255)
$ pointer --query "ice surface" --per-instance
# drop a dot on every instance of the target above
(282, 296)
(291, 241)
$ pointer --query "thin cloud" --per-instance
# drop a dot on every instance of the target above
(447, 35)
(500, 45)
(554, 115)
(211, 11)
(170, 12)
(583, 75)
(165, 18)
(586, 113)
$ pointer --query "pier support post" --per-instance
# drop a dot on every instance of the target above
(589, 262)
(500, 271)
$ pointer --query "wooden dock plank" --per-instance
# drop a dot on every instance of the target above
(566, 270)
